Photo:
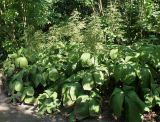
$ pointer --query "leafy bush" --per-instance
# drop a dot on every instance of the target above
(75, 60)
(81, 79)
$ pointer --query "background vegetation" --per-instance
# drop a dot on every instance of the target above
(78, 53)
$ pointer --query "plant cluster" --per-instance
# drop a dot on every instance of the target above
(68, 76)
(77, 53)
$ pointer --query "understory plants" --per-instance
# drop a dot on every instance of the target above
(68, 76)
(78, 54)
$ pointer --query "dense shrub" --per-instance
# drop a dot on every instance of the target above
(77, 53)
(67, 75)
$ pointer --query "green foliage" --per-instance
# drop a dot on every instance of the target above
(17, 16)
(53, 74)
(129, 102)
(73, 83)
(134, 106)
(87, 106)
(117, 99)
(88, 82)
(70, 93)
(48, 102)
(114, 24)
(65, 53)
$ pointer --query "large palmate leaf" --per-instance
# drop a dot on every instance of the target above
(87, 106)
(67, 101)
(134, 107)
(48, 101)
(28, 92)
(81, 109)
(70, 93)
(116, 101)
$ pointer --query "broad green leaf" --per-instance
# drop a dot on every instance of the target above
(41, 98)
(130, 75)
(21, 62)
(44, 78)
(49, 110)
(75, 90)
(72, 117)
(29, 91)
(81, 109)
(116, 101)
(88, 82)
(114, 53)
(13, 56)
(86, 60)
(85, 57)
(54, 95)
(10, 70)
(38, 79)
(144, 75)
(33, 70)
(53, 74)
(134, 107)
(125, 73)
(94, 107)
(18, 85)
(23, 96)
(157, 100)
(29, 100)
(67, 101)
(48, 101)
(70, 92)
(98, 77)
(49, 91)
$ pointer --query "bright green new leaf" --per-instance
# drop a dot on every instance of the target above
(70, 92)
(29, 100)
(18, 85)
(21, 62)
(86, 60)
(85, 57)
(114, 53)
(53, 74)
(67, 101)
(88, 82)
(54, 95)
